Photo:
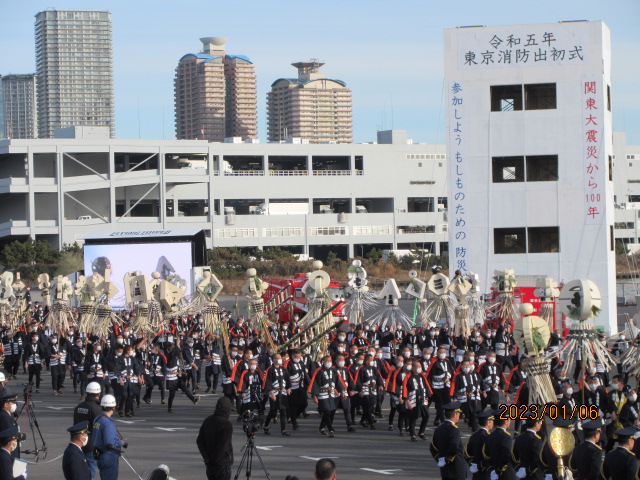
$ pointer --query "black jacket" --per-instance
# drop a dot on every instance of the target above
(473, 452)
(74, 464)
(620, 464)
(447, 443)
(88, 410)
(214, 438)
(497, 451)
(586, 461)
(6, 466)
(526, 454)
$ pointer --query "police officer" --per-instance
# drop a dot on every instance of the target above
(497, 450)
(9, 440)
(88, 410)
(74, 463)
(527, 448)
(473, 451)
(446, 446)
(106, 440)
(621, 463)
(7, 418)
(586, 460)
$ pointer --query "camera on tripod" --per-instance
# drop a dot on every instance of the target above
(252, 420)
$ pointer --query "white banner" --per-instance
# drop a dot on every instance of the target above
(458, 179)
(527, 45)
(595, 166)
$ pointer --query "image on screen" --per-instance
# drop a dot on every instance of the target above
(166, 258)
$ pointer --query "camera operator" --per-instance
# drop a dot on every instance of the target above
(214, 442)
(106, 440)
(7, 418)
(88, 411)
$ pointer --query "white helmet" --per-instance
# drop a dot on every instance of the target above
(108, 401)
(94, 388)
(2, 378)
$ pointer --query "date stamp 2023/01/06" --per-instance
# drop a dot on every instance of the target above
(552, 411)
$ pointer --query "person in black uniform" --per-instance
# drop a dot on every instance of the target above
(214, 441)
(586, 460)
(9, 440)
(74, 463)
(7, 418)
(548, 458)
(527, 448)
(446, 445)
(621, 463)
(277, 385)
(497, 450)
(88, 410)
(473, 451)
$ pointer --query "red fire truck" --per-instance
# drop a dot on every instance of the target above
(285, 297)
(522, 295)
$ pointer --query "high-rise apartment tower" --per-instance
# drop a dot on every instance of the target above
(215, 94)
(74, 67)
(311, 107)
(17, 106)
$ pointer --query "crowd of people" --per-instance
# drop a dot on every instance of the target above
(391, 376)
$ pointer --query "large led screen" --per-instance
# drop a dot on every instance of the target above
(166, 258)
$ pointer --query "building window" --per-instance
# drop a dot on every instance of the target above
(634, 199)
(611, 168)
(624, 225)
(544, 239)
(506, 98)
(540, 96)
(508, 169)
(405, 229)
(609, 97)
(420, 204)
(316, 231)
(509, 240)
(542, 168)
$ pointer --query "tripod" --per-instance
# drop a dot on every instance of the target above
(33, 424)
(249, 449)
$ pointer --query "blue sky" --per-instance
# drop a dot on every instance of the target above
(388, 52)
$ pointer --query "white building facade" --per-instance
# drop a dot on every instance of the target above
(311, 199)
(530, 143)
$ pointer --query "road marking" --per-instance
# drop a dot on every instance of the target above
(130, 421)
(316, 459)
(58, 408)
(382, 472)
(270, 447)
(170, 429)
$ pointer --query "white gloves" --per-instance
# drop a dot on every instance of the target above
(442, 462)
(473, 468)
(548, 476)
(521, 473)
(494, 475)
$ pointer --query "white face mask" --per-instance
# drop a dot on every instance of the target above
(467, 369)
(252, 367)
(633, 398)
(360, 362)
(327, 365)
(593, 387)
(340, 364)
(400, 365)
(13, 408)
(85, 441)
(614, 386)
(372, 364)
(426, 356)
(442, 356)
(279, 362)
(409, 367)
(491, 360)
(418, 371)
(234, 354)
(378, 355)
(569, 391)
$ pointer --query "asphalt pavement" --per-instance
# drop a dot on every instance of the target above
(157, 437)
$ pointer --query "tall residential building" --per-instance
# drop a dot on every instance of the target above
(74, 66)
(311, 107)
(215, 94)
(17, 106)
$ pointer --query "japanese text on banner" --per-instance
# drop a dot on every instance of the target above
(458, 178)
(594, 165)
